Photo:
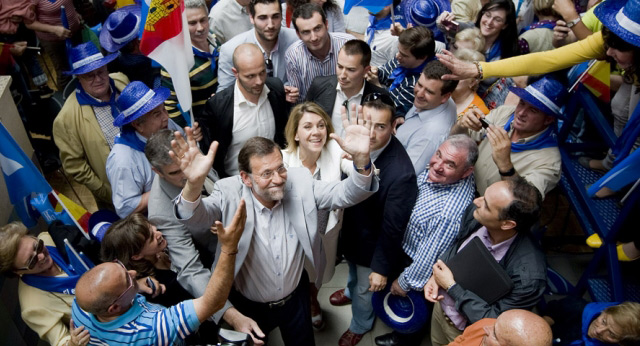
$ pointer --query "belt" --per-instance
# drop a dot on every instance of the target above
(281, 302)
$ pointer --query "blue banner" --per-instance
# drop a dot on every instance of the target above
(373, 6)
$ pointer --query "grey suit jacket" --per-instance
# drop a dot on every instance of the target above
(191, 249)
(303, 196)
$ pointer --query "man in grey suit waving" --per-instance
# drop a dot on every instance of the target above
(271, 287)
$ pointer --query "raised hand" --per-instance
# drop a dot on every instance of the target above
(79, 336)
(193, 164)
(357, 134)
(459, 69)
(501, 147)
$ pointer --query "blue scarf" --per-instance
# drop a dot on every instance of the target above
(591, 312)
(129, 138)
(85, 99)
(206, 55)
(377, 24)
(546, 140)
(400, 73)
(65, 285)
(495, 51)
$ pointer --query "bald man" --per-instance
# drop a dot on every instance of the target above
(512, 328)
(108, 305)
(254, 106)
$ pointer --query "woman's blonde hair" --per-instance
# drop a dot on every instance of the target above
(10, 236)
(467, 54)
(627, 317)
(545, 8)
(294, 120)
(472, 35)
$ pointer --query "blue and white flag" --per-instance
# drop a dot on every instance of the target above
(621, 175)
(373, 6)
(21, 176)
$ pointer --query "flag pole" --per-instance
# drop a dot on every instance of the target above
(579, 79)
(86, 234)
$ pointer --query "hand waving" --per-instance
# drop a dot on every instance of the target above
(357, 132)
(193, 164)
(459, 69)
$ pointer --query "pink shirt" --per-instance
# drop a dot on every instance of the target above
(48, 12)
(497, 251)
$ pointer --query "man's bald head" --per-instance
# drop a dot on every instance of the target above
(521, 328)
(97, 289)
(247, 54)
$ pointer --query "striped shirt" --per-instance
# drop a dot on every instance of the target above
(433, 226)
(204, 82)
(48, 12)
(303, 67)
(402, 95)
(143, 324)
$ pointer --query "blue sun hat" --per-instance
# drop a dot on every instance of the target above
(121, 27)
(403, 314)
(137, 100)
(86, 57)
(546, 94)
(425, 12)
(622, 17)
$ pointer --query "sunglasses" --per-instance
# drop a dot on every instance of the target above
(384, 98)
(38, 248)
(129, 281)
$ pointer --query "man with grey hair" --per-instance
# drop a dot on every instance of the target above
(203, 76)
(191, 249)
(254, 106)
(445, 189)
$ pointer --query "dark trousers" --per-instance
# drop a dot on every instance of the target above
(293, 318)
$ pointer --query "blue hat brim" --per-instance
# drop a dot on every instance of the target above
(102, 215)
(161, 95)
(525, 95)
(106, 41)
(420, 315)
(607, 11)
(444, 5)
(92, 65)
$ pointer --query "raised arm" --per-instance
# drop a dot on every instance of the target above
(193, 164)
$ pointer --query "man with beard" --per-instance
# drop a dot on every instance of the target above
(267, 34)
(254, 106)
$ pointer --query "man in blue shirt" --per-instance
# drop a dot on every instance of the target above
(108, 305)
(445, 189)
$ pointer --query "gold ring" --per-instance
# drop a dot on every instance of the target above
(181, 157)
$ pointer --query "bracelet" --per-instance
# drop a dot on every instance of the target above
(508, 173)
(572, 23)
(480, 75)
(232, 253)
(362, 169)
(448, 288)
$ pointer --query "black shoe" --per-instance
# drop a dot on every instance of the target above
(390, 339)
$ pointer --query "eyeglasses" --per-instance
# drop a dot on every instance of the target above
(269, 66)
(268, 175)
(129, 281)
(384, 98)
(38, 247)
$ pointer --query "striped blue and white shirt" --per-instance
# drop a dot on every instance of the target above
(143, 324)
(402, 95)
(303, 67)
(433, 226)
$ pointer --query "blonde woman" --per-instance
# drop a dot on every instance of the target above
(465, 95)
(308, 145)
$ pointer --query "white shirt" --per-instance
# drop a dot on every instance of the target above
(249, 120)
(227, 19)
(274, 262)
(336, 115)
(383, 47)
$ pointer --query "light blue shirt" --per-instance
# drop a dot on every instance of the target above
(143, 324)
(424, 131)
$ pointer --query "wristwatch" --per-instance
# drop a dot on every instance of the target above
(508, 173)
(571, 23)
(363, 169)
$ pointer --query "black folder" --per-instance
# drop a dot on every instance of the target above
(475, 269)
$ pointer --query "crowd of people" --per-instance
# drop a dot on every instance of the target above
(400, 150)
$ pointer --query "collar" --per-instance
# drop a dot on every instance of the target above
(259, 208)
(423, 179)
(329, 54)
(426, 113)
(239, 7)
(530, 138)
(483, 233)
(239, 99)
(137, 308)
(141, 137)
(376, 153)
(275, 47)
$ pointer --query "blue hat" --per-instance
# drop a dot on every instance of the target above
(622, 17)
(137, 100)
(403, 314)
(100, 221)
(86, 57)
(425, 12)
(120, 28)
(546, 94)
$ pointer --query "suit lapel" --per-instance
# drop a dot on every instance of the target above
(249, 228)
(295, 213)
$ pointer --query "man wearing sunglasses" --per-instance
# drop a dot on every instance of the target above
(108, 305)
(348, 85)
(271, 289)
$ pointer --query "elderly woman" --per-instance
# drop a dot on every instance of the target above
(308, 145)
(465, 95)
(47, 285)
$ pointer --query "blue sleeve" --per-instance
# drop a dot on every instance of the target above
(176, 322)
